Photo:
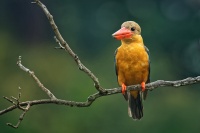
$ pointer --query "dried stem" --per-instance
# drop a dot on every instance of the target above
(93, 97)
(48, 92)
(21, 117)
(64, 44)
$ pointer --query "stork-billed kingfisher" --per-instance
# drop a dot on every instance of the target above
(132, 66)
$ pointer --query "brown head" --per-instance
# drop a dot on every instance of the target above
(130, 30)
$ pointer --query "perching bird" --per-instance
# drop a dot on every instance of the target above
(132, 66)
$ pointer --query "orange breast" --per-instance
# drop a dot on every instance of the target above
(132, 64)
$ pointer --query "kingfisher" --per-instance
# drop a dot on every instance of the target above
(132, 66)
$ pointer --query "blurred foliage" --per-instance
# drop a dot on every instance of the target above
(170, 29)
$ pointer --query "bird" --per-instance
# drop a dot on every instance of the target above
(132, 66)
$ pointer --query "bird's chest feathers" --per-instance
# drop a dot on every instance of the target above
(132, 57)
(132, 63)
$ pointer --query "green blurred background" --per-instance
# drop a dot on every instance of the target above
(171, 31)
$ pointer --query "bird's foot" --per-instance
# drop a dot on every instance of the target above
(123, 88)
(143, 86)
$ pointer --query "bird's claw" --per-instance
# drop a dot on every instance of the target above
(143, 86)
(123, 89)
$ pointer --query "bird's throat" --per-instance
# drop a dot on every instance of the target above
(133, 39)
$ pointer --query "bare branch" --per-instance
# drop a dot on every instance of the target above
(9, 100)
(20, 118)
(93, 97)
(68, 49)
(48, 92)
(17, 105)
(19, 63)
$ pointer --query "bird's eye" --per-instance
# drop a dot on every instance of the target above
(132, 29)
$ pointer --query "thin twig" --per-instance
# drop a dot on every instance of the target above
(21, 117)
(9, 100)
(17, 105)
(47, 91)
(65, 45)
(60, 45)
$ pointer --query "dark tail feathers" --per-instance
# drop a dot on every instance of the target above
(135, 107)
